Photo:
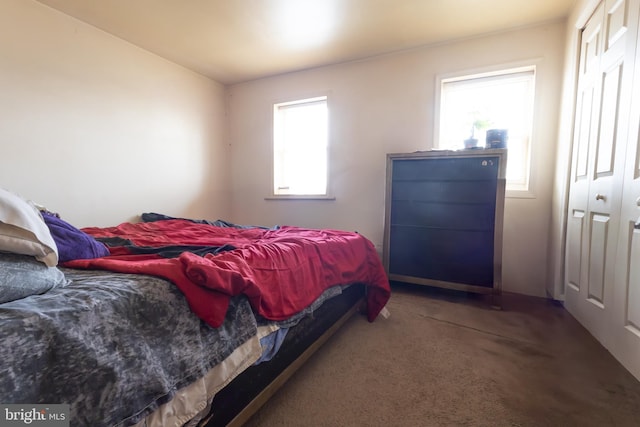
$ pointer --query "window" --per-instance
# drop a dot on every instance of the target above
(300, 147)
(469, 105)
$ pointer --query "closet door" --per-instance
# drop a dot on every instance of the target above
(604, 89)
(626, 320)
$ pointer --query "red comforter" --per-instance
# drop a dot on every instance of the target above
(281, 271)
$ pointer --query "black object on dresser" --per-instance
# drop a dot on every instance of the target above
(443, 219)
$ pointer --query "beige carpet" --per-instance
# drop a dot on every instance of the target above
(448, 359)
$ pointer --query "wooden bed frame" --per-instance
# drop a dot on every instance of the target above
(295, 351)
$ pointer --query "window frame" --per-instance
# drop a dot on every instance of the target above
(491, 72)
(309, 98)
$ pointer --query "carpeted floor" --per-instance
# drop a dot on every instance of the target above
(447, 359)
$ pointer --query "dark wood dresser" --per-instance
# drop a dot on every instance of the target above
(443, 219)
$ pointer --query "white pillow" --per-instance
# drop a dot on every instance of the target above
(23, 230)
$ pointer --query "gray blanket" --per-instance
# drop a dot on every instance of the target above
(113, 346)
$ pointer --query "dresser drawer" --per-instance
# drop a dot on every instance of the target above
(458, 256)
(445, 168)
(453, 216)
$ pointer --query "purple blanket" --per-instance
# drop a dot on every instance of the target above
(72, 243)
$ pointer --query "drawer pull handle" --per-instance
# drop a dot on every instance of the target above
(600, 197)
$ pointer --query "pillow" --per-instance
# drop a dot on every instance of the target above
(71, 242)
(23, 231)
(22, 276)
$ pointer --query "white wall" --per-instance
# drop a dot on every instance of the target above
(386, 104)
(100, 130)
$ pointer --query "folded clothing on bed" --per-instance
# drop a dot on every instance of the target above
(71, 242)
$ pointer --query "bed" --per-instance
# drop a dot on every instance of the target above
(169, 321)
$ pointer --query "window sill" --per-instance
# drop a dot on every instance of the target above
(519, 194)
(300, 197)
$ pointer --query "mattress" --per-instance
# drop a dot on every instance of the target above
(156, 331)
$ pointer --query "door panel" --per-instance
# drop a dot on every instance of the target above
(632, 284)
(574, 249)
(583, 133)
(603, 282)
(617, 21)
(626, 321)
(608, 120)
(591, 43)
(598, 259)
(579, 246)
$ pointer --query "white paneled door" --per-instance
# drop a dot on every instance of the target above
(597, 290)
(626, 319)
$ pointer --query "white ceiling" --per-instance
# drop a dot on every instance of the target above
(238, 40)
